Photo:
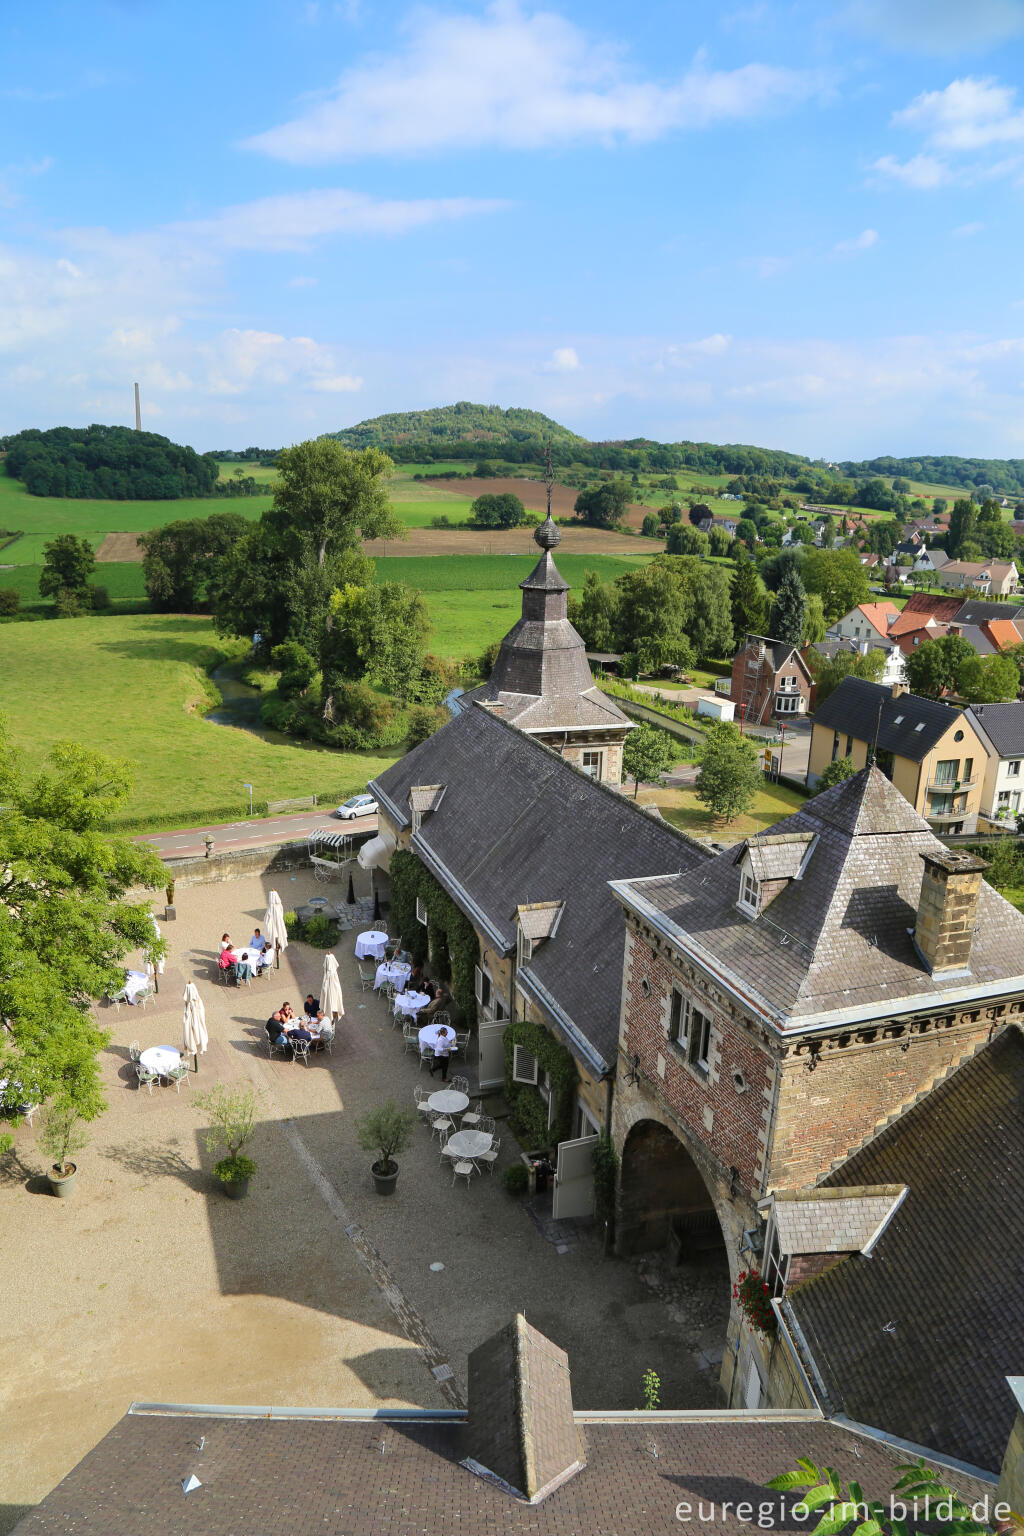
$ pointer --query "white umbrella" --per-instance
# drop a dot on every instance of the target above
(160, 962)
(274, 930)
(194, 1033)
(330, 988)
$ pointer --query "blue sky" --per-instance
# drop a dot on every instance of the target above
(794, 224)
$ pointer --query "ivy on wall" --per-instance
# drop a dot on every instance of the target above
(528, 1112)
(450, 937)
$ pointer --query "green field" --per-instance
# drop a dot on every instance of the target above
(122, 580)
(135, 687)
(55, 514)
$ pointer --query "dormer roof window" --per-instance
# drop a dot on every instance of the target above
(536, 922)
(750, 893)
(424, 798)
(768, 864)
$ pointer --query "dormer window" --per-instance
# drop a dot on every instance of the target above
(525, 954)
(750, 893)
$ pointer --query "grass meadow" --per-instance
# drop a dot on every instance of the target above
(50, 515)
(136, 687)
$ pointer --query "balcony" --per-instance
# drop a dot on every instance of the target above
(944, 816)
(951, 786)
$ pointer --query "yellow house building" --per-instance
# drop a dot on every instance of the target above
(930, 751)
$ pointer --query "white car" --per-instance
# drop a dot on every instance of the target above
(359, 805)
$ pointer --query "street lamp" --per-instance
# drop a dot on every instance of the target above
(249, 788)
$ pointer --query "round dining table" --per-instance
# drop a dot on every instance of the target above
(448, 1101)
(411, 1002)
(160, 1059)
(395, 971)
(468, 1144)
(371, 944)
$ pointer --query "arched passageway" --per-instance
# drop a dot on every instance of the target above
(663, 1199)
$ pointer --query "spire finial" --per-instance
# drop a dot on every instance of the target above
(548, 535)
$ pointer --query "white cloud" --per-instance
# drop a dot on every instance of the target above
(862, 242)
(938, 26)
(294, 221)
(922, 172)
(564, 360)
(967, 114)
(516, 80)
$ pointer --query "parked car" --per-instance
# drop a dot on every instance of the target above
(359, 805)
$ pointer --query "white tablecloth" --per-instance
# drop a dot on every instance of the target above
(133, 983)
(428, 1037)
(448, 1101)
(395, 971)
(468, 1143)
(411, 1002)
(371, 945)
(160, 1059)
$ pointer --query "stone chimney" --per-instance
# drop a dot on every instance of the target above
(946, 910)
(522, 1434)
(899, 689)
(1011, 1479)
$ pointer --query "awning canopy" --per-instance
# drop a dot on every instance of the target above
(376, 854)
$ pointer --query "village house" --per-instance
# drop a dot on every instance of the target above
(771, 681)
(1001, 727)
(996, 578)
(868, 621)
(782, 1005)
(930, 751)
(893, 669)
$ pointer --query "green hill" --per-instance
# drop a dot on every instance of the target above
(463, 422)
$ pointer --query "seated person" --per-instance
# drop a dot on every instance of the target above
(258, 941)
(276, 1029)
(287, 1012)
(244, 967)
(416, 978)
(228, 962)
(441, 1003)
(225, 942)
(311, 1007)
(302, 1033)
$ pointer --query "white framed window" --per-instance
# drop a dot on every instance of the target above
(788, 703)
(482, 988)
(699, 1049)
(584, 1123)
(592, 763)
(750, 893)
(524, 1066)
(774, 1265)
(1013, 769)
(421, 911)
(500, 1007)
(524, 948)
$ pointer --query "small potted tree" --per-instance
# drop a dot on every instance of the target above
(386, 1130)
(232, 1115)
(60, 1137)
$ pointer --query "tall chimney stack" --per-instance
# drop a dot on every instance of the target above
(946, 910)
(138, 411)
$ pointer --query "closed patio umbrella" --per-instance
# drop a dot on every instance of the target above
(194, 1033)
(274, 930)
(330, 989)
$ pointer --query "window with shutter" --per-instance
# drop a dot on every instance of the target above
(524, 1066)
(421, 911)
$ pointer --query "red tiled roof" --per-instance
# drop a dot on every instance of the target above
(1001, 632)
(879, 614)
(941, 608)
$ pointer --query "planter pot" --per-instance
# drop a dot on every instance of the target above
(236, 1189)
(62, 1184)
(384, 1183)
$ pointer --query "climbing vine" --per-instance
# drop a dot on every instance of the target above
(450, 938)
(528, 1112)
(606, 1178)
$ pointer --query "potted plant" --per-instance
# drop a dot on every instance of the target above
(385, 1130)
(60, 1137)
(232, 1113)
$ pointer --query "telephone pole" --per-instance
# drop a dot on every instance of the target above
(138, 411)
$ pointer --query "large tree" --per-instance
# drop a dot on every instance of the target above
(502, 511)
(684, 539)
(838, 577)
(963, 521)
(746, 599)
(729, 771)
(334, 497)
(377, 635)
(829, 672)
(68, 562)
(178, 559)
(603, 506)
(66, 920)
(595, 612)
(815, 627)
(987, 679)
(789, 610)
(647, 754)
(934, 667)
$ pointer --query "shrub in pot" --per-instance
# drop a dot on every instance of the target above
(232, 1114)
(60, 1137)
(516, 1179)
(386, 1130)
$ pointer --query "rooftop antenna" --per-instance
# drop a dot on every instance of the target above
(878, 727)
(138, 411)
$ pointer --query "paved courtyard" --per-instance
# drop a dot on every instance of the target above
(151, 1285)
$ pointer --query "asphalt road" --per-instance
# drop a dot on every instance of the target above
(250, 833)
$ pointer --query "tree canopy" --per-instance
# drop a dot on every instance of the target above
(603, 506)
(934, 666)
(66, 923)
(334, 497)
(107, 463)
(838, 577)
(729, 771)
(646, 754)
(178, 559)
(501, 511)
(789, 610)
(68, 562)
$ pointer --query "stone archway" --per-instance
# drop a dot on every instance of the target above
(663, 1198)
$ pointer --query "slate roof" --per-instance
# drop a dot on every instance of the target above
(404, 1477)
(1003, 724)
(835, 944)
(778, 856)
(917, 1339)
(976, 636)
(833, 1220)
(522, 1428)
(519, 824)
(977, 611)
(853, 709)
(780, 651)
